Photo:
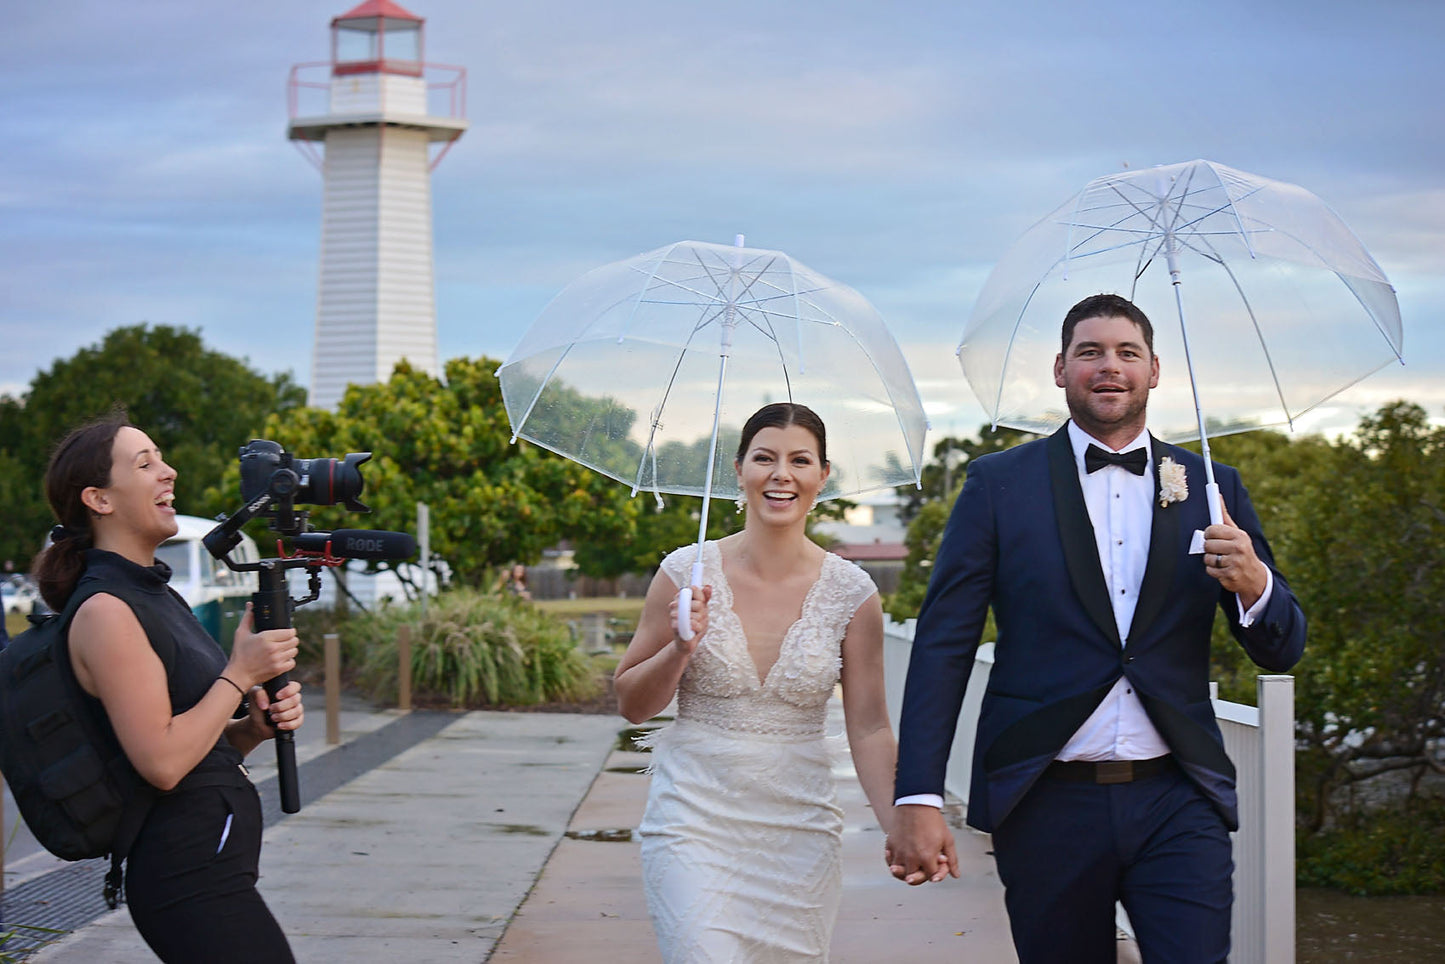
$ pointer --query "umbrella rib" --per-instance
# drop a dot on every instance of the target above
(541, 386)
(1263, 344)
(641, 297)
(657, 420)
(1009, 349)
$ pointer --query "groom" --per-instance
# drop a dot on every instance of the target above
(1098, 766)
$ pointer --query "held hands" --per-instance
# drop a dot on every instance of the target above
(257, 657)
(1229, 557)
(700, 597)
(920, 849)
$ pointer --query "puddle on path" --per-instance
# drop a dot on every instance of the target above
(519, 828)
(617, 835)
(1332, 928)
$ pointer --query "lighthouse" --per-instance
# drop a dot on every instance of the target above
(375, 119)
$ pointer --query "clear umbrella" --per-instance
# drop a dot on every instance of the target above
(1286, 308)
(646, 369)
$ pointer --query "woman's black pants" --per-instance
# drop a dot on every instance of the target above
(191, 875)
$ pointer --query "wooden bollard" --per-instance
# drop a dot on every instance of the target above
(403, 667)
(331, 650)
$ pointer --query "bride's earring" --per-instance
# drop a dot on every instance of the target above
(742, 503)
(814, 505)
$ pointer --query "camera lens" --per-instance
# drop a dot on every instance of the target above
(329, 481)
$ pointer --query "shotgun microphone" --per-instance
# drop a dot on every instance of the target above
(374, 544)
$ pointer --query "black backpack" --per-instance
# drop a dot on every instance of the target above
(74, 786)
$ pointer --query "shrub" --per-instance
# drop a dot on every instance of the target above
(471, 649)
(1396, 851)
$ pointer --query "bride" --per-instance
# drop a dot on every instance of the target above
(741, 837)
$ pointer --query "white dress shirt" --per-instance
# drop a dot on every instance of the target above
(1121, 510)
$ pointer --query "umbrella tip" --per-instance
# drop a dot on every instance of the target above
(514, 440)
(738, 240)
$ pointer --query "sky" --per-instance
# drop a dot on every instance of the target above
(898, 147)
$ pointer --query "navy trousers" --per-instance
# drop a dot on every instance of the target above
(1069, 850)
(191, 879)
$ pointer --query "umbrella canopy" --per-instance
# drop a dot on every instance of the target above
(646, 369)
(1285, 308)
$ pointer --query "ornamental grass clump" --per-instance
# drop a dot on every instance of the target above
(472, 649)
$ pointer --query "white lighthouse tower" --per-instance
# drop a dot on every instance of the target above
(378, 142)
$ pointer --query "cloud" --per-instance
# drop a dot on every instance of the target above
(899, 148)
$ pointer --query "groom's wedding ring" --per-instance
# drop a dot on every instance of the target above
(1218, 561)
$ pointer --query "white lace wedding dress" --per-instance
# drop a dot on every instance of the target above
(741, 836)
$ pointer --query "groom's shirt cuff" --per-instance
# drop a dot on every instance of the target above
(1247, 617)
(926, 799)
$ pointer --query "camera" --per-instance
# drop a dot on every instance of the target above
(272, 483)
(269, 470)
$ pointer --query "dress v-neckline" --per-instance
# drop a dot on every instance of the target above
(763, 678)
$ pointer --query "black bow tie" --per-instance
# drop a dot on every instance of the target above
(1134, 460)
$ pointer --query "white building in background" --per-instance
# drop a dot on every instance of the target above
(365, 118)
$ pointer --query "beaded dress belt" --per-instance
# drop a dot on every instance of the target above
(1108, 771)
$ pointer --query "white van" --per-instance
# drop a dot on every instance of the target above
(216, 593)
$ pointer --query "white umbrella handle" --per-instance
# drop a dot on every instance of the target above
(1216, 503)
(684, 603)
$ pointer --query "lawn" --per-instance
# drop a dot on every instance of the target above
(616, 607)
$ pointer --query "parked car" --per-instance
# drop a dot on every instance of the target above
(18, 595)
(216, 593)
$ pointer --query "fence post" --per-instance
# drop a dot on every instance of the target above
(403, 667)
(331, 651)
(1276, 731)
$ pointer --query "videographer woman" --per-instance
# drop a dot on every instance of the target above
(191, 873)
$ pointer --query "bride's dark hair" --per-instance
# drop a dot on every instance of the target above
(781, 415)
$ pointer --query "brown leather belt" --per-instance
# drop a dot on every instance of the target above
(1108, 771)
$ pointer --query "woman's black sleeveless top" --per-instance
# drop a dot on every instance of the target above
(198, 659)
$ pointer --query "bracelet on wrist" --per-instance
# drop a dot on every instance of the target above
(233, 683)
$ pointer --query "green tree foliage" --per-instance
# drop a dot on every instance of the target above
(448, 444)
(199, 405)
(1367, 557)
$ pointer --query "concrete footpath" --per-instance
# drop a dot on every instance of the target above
(508, 837)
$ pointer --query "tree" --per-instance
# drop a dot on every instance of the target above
(448, 444)
(198, 405)
(1367, 557)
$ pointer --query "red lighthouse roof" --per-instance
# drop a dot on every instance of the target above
(379, 8)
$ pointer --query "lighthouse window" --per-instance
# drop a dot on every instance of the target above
(356, 45)
(403, 42)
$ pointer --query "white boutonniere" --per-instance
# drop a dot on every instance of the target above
(1173, 485)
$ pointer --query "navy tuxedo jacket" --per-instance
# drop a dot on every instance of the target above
(1019, 539)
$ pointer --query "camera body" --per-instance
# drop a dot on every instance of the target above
(270, 472)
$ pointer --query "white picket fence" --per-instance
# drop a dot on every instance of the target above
(1260, 741)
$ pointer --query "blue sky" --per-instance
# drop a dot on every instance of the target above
(898, 147)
